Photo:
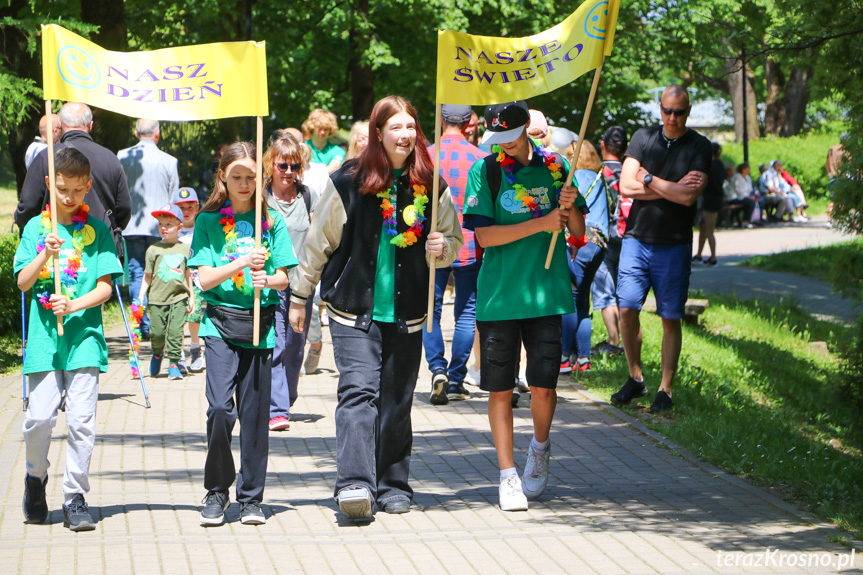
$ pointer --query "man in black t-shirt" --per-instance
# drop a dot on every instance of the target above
(664, 171)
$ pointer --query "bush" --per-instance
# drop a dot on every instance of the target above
(10, 295)
(803, 156)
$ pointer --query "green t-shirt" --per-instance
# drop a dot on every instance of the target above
(83, 343)
(513, 282)
(385, 275)
(328, 154)
(209, 249)
(167, 263)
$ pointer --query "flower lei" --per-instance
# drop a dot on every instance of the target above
(137, 315)
(229, 226)
(68, 275)
(388, 211)
(521, 193)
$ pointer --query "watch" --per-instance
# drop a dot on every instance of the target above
(647, 179)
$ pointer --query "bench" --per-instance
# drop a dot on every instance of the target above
(691, 310)
(731, 212)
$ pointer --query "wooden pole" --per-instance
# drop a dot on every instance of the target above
(581, 134)
(52, 187)
(435, 191)
(258, 191)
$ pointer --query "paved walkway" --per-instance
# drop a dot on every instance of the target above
(620, 499)
(812, 294)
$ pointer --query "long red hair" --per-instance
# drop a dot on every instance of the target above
(375, 170)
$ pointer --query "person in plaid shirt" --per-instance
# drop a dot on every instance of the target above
(456, 158)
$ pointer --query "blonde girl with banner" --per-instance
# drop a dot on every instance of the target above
(370, 247)
(511, 200)
(231, 269)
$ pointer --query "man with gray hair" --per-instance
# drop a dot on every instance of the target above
(153, 179)
(109, 192)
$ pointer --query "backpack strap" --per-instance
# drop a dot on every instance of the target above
(492, 176)
(307, 199)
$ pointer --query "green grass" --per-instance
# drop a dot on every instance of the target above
(751, 398)
(815, 262)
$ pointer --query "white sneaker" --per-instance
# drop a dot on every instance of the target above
(536, 472)
(511, 494)
(356, 503)
(472, 377)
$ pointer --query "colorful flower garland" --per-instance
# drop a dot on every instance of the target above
(388, 211)
(521, 193)
(137, 315)
(229, 226)
(69, 275)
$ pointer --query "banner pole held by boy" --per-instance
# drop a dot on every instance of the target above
(435, 192)
(52, 187)
(258, 190)
(581, 135)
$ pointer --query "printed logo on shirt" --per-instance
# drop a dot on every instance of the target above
(509, 202)
(472, 201)
(170, 267)
(89, 235)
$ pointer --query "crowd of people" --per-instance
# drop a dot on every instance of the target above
(347, 241)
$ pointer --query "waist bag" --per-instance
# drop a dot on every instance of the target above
(238, 324)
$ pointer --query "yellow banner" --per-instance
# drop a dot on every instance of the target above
(476, 70)
(187, 83)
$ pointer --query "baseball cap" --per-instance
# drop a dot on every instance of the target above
(169, 210)
(561, 139)
(615, 136)
(455, 113)
(538, 122)
(504, 123)
(184, 195)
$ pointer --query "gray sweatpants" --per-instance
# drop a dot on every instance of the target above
(82, 394)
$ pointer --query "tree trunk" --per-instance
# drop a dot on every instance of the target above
(735, 92)
(774, 105)
(796, 99)
(112, 130)
(361, 74)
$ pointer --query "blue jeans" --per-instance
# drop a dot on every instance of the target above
(377, 377)
(577, 326)
(465, 278)
(287, 358)
(136, 254)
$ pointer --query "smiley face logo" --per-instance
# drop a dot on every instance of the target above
(89, 235)
(594, 24)
(78, 68)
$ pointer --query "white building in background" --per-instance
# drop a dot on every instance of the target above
(710, 116)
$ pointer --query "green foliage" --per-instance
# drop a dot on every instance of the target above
(817, 262)
(752, 398)
(10, 311)
(804, 157)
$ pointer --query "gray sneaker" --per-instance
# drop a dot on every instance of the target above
(356, 503)
(76, 515)
(197, 359)
(535, 476)
(313, 358)
(252, 514)
(182, 365)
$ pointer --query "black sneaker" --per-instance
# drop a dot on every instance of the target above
(631, 390)
(215, 505)
(457, 392)
(661, 403)
(252, 514)
(76, 515)
(439, 388)
(35, 505)
(397, 507)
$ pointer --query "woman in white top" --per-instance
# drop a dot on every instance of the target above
(741, 188)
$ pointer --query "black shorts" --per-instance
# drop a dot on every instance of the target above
(500, 345)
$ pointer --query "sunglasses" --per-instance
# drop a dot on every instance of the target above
(672, 112)
(283, 166)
